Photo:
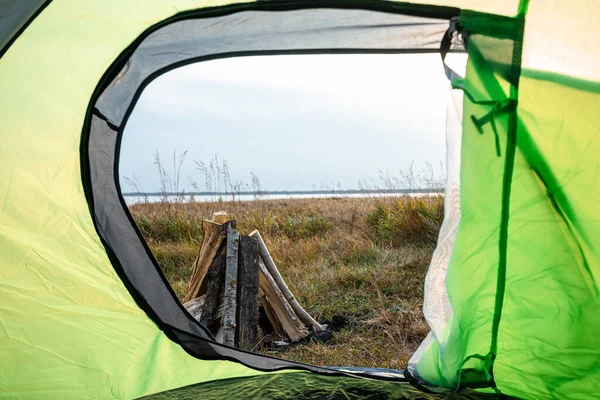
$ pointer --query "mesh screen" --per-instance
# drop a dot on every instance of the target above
(255, 32)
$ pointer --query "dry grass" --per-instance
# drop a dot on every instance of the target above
(364, 259)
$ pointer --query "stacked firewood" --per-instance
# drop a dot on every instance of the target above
(234, 281)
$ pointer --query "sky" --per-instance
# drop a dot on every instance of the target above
(298, 122)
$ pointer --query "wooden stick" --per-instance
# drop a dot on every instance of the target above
(213, 235)
(270, 264)
(231, 275)
(292, 326)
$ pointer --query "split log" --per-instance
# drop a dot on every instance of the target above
(247, 312)
(228, 322)
(271, 316)
(220, 217)
(213, 235)
(291, 324)
(272, 268)
(195, 307)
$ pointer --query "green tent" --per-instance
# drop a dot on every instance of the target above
(512, 293)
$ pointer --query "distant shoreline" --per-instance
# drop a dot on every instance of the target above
(285, 193)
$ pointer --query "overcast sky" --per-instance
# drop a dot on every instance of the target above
(298, 122)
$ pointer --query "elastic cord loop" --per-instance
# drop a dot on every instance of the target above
(499, 107)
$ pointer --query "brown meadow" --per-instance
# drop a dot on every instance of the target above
(364, 259)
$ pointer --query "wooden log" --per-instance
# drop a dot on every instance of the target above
(228, 322)
(220, 217)
(213, 235)
(272, 324)
(270, 264)
(195, 307)
(291, 324)
(213, 296)
(248, 303)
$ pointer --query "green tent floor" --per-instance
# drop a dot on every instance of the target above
(308, 386)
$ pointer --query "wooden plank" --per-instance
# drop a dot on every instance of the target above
(272, 268)
(213, 235)
(228, 322)
(292, 326)
(248, 303)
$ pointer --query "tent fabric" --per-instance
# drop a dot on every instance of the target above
(521, 278)
(265, 32)
(523, 287)
(436, 305)
(559, 39)
(506, 8)
(63, 303)
(306, 386)
(14, 15)
(194, 40)
(463, 350)
(555, 240)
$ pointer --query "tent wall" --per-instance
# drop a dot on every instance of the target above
(437, 308)
(523, 275)
(525, 264)
(561, 37)
(236, 33)
(507, 8)
(69, 323)
(15, 16)
(549, 346)
(207, 37)
(460, 355)
(548, 338)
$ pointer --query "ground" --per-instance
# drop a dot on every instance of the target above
(364, 259)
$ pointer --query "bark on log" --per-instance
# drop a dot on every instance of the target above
(272, 268)
(213, 235)
(231, 276)
(292, 326)
(215, 280)
(195, 307)
(247, 312)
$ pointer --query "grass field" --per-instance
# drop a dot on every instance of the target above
(363, 259)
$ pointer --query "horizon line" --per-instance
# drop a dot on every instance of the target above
(286, 192)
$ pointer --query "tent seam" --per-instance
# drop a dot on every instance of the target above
(507, 187)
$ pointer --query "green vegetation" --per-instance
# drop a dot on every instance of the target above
(408, 220)
(363, 259)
